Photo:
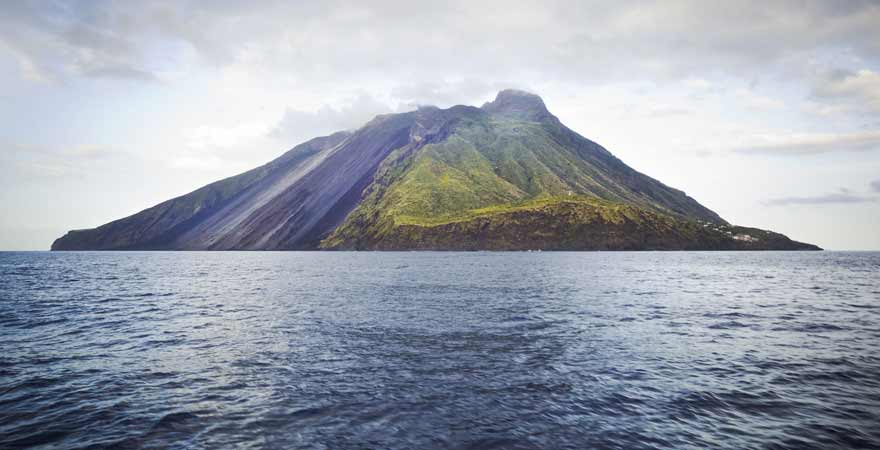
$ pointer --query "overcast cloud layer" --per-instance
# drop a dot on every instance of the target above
(766, 112)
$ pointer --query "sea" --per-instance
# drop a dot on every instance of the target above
(412, 350)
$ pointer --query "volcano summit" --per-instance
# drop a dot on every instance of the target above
(506, 176)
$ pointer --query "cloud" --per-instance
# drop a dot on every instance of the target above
(682, 38)
(84, 152)
(216, 137)
(219, 147)
(400, 41)
(297, 126)
(448, 93)
(846, 90)
(120, 73)
(666, 111)
(875, 185)
(697, 83)
(828, 199)
(38, 162)
(755, 101)
(202, 162)
(810, 144)
(52, 41)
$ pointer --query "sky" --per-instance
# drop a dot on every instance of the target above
(767, 112)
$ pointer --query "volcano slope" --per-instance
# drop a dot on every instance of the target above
(506, 176)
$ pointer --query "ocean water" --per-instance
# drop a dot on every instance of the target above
(439, 350)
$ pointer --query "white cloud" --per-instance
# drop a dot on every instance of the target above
(297, 126)
(445, 93)
(843, 90)
(697, 83)
(755, 101)
(827, 199)
(188, 161)
(208, 137)
(808, 144)
(39, 162)
(562, 40)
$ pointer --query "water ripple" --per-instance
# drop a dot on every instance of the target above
(440, 350)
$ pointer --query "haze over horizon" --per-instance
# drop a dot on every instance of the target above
(769, 114)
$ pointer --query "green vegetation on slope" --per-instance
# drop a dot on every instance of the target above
(565, 223)
(487, 162)
(503, 183)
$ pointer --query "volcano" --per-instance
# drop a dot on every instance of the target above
(505, 176)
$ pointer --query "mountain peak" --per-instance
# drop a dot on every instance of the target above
(509, 176)
(518, 104)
